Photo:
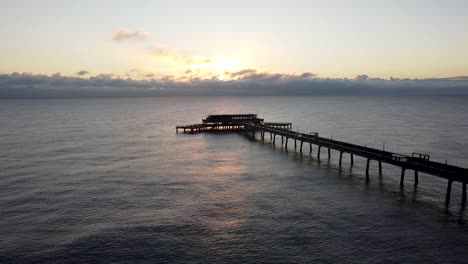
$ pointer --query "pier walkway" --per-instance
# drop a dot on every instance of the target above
(417, 162)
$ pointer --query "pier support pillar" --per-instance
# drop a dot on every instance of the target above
(352, 159)
(302, 142)
(282, 140)
(449, 191)
(416, 178)
(367, 169)
(380, 168)
(341, 158)
(274, 138)
(329, 155)
(463, 194)
(318, 153)
(402, 178)
(295, 143)
(310, 148)
(287, 139)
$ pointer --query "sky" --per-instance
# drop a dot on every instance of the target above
(187, 41)
(407, 39)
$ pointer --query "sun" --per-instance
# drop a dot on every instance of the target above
(216, 67)
(223, 65)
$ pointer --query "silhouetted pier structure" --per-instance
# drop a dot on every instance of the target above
(226, 122)
(417, 162)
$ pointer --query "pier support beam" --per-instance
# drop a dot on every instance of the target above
(367, 169)
(416, 178)
(341, 158)
(402, 178)
(449, 191)
(463, 194)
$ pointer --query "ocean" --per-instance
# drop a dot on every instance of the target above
(109, 181)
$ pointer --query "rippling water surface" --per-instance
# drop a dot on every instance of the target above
(109, 181)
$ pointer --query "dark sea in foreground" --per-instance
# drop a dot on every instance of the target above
(109, 181)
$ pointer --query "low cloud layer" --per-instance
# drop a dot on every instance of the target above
(246, 82)
(125, 34)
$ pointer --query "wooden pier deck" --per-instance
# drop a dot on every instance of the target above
(417, 162)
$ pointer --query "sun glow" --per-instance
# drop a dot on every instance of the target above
(223, 65)
(218, 67)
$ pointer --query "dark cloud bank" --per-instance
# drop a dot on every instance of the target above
(248, 82)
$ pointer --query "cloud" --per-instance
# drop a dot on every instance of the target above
(457, 78)
(254, 74)
(125, 34)
(362, 77)
(247, 82)
(243, 73)
(82, 73)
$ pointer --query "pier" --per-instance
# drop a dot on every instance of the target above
(417, 162)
